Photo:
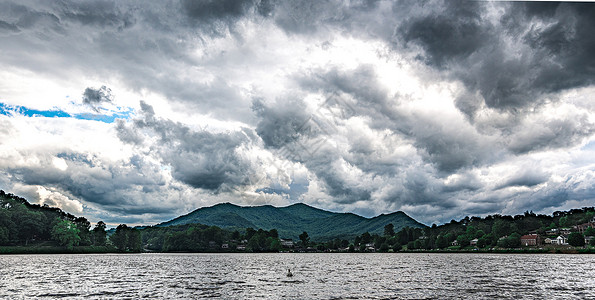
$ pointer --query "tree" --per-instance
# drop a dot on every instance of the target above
(384, 247)
(366, 238)
(66, 233)
(3, 235)
(120, 237)
(133, 242)
(464, 240)
(357, 240)
(484, 240)
(441, 242)
(576, 239)
(249, 233)
(83, 225)
(590, 231)
(500, 228)
(564, 222)
(512, 241)
(99, 235)
(304, 238)
(273, 233)
(389, 229)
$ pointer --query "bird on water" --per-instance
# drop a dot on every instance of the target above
(289, 273)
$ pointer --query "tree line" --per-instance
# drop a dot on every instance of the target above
(491, 231)
(23, 224)
(26, 224)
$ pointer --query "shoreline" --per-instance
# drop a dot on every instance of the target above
(19, 250)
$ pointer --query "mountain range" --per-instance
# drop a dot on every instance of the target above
(291, 221)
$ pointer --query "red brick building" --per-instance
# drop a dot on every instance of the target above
(530, 240)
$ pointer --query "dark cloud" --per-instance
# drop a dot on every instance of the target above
(553, 134)
(7, 27)
(416, 187)
(96, 13)
(95, 97)
(284, 123)
(525, 178)
(296, 134)
(514, 62)
(455, 33)
(208, 10)
(200, 158)
(328, 167)
(450, 149)
(108, 185)
(217, 17)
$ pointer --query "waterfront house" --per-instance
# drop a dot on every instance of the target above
(552, 231)
(473, 242)
(455, 243)
(225, 246)
(582, 227)
(588, 239)
(370, 247)
(561, 240)
(548, 241)
(288, 243)
(530, 240)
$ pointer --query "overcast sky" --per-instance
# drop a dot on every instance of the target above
(139, 111)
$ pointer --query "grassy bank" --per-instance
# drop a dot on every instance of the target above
(55, 250)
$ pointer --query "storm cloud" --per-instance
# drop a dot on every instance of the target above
(438, 108)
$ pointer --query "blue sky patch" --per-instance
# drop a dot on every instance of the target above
(11, 110)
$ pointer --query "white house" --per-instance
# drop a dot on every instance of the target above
(561, 240)
(287, 243)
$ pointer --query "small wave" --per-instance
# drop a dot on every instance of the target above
(292, 281)
(58, 295)
(105, 293)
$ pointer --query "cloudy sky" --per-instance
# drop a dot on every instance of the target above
(137, 112)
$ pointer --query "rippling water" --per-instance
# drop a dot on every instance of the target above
(316, 276)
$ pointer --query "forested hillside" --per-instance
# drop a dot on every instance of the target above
(293, 220)
(22, 223)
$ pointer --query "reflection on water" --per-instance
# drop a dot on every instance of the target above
(316, 276)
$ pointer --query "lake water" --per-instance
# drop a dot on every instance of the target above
(316, 276)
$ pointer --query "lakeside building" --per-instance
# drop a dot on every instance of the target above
(530, 240)
(560, 240)
(288, 243)
(583, 227)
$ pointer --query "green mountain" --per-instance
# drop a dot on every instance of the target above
(291, 221)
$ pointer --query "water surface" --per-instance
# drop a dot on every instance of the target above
(316, 276)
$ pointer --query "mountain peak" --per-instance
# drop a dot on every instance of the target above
(292, 220)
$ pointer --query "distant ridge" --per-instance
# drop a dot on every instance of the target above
(290, 221)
